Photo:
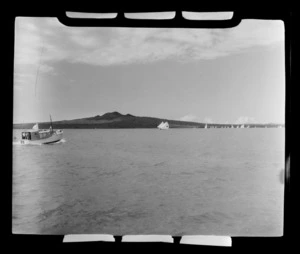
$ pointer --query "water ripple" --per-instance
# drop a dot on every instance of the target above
(147, 181)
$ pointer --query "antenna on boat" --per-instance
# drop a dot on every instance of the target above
(38, 70)
(51, 128)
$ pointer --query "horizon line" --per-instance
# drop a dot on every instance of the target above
(152, 117)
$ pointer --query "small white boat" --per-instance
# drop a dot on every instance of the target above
(37, 136)
(163, 126)
(205, 126)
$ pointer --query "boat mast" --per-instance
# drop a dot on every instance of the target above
(51, 128)
(38, 70)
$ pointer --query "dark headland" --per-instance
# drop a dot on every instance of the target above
(115, 120)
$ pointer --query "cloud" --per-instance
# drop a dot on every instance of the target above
(111, 46)
(245, 119)
(189, 118)
(46, 68)
(194, 118)
(208, 120)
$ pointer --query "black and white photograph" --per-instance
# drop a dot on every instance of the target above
(144, 130)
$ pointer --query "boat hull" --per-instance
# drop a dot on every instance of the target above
(55, 137)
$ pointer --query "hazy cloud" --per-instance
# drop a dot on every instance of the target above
(207, 120)
(190, 118)
(245, 119)
(107, 46)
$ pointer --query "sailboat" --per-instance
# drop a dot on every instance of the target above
(242, 126)
(205, 126)
(163, 126)
(37, 136)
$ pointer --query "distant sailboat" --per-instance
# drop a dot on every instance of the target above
(205, 126)
(163, 126)
(242, 126)
(160, 125)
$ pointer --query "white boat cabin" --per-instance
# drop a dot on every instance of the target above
(36, 134)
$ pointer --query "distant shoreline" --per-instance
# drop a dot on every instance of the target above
(115, 120)
(57, 126)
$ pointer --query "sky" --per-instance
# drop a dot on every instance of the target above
(233, 75)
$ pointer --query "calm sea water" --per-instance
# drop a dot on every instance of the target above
(146, 181)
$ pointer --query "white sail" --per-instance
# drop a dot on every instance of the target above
(35, 127)
(205, 126)
(160, 125)
(242, 126)
(163, 126)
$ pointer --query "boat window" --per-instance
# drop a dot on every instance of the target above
(26, 135)
(43, 135)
